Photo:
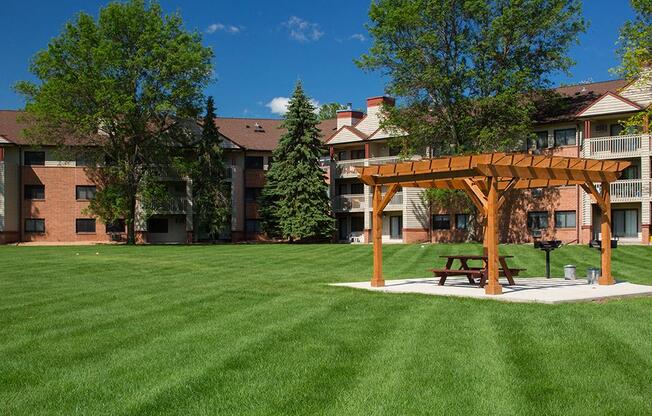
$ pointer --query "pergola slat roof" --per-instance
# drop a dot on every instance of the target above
(486, 178)
(561, 170)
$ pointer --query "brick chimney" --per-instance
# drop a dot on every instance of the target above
(374, 102)
(348, 117)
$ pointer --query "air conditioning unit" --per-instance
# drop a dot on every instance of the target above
(537, 193)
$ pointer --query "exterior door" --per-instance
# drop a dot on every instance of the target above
(343, 228)
(396, 227)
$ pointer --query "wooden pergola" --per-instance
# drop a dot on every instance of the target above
(486, 178)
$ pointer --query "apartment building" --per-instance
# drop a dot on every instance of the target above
(583, 122)
(44, 194)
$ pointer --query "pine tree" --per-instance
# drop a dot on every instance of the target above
(211, 196)
(294, 203)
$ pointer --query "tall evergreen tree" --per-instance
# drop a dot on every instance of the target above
(211, 195)
(294, 203)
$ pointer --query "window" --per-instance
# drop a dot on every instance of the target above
(537, 220)
(615, 129)
(343, 189)
(85, 192)
(540, 141)
(341, 155)
(441, 222)
(632, 172)
(117, 226)
(252, 226)
(252, 194)
(85, 225)
(624, 222)
(34, 158)
(34, 225)
(565, 219)
(34, 192)
(462, 221)
(357, 154)
(394, 150)
(357, 224)
(357, 188)
(157, 225)
(565, 137)
(254, 162)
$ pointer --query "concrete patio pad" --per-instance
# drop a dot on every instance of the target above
(526, 290)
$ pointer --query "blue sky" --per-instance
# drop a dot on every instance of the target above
(262, 47)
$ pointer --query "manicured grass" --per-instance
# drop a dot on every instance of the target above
(255, 330)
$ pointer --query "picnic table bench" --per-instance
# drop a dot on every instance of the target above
(472, 273)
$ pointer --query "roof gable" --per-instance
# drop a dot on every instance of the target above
(609, 103)
(347, 134)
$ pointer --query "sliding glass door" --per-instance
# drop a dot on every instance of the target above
(624, 222)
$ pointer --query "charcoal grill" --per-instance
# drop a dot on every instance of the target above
(547, 246)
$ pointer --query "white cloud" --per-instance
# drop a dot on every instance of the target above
(302, 30)
(220, 27)
(279, 105)
(358, 36)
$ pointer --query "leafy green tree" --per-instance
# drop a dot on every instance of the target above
(635, 51)
(466, 68)
(117, 88)
(635, 41)
(294, 201)
(204, 165)
(329, 110)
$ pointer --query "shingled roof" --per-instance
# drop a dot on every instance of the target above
(250, 133)
(10, 128)
(261, 134)
(565, 102)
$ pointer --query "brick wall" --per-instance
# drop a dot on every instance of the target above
(60, 208)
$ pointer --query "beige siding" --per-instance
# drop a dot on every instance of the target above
(237, 191)
(639, 92)
(608, 105)
(415, 213)
(345, 136)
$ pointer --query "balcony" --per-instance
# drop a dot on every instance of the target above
(349, 203)
(355, 203)
(173, 204)
(627, 190)
(346, 168)
(618, 146)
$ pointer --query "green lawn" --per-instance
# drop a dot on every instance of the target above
(255, 330)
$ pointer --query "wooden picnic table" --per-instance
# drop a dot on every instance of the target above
(474, 272)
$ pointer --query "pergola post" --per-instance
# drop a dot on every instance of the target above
(493, 286)
(377, 237)
(605, 247)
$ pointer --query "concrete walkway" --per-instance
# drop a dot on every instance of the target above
(526, 290)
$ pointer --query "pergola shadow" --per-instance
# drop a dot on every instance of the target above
(486, 178)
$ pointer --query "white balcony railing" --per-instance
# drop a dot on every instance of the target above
(347, 203)
(613, 146)
(627, 189)
(346, 168)
(396, 202)
(350, 203)
(173, 204)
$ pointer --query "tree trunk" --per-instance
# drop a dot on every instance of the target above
(131, 221)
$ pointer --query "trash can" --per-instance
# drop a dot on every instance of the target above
(570, 272)
(592, 275)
